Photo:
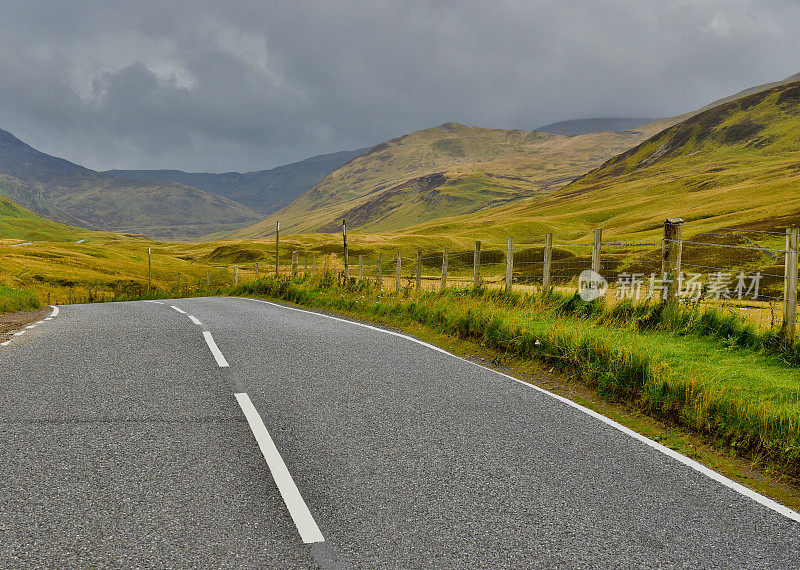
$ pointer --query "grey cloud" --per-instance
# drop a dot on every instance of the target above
(195, 86)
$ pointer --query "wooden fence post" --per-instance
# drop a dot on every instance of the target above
(360, 267)
(346, 256)
(790, 281)
(235, 275)
(547, 261)
(476, 265)
(305, 267)
(443, 284)
(179, 282)
(398, 272)
(256, 270)
(597, 244)
(379, 275)
(89, 288)
(509, 263)
(70, 295)
(671, 260)
(418, 275)
(314, 265)
(208, 278)
(294, 264)
(277, 251)
(149, 269)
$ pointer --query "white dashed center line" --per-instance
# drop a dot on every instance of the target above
(181, 311)
(303, 520)
(212, 346)
(194, 320)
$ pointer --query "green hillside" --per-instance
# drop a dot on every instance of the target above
(444, 171)
(17, 223)
(733, 165)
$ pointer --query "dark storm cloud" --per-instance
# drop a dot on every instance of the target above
(203, 87)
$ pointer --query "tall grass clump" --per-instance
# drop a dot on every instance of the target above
(14, 300)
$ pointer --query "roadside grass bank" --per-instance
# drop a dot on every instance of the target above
(704, 372)
(16, 300)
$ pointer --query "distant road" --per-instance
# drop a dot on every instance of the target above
(232, 432)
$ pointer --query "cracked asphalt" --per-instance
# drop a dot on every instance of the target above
(123, 445)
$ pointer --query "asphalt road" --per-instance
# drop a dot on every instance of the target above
(125, 443)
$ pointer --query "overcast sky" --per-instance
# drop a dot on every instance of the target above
(206, 87)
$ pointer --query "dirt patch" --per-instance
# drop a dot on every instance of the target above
(12, 322)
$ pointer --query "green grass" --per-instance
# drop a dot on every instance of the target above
(15, 300)
(747, 398)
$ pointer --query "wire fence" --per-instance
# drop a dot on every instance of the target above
(743, 271)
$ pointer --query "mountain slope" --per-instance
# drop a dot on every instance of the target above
(17, 223)
(447, 170)
(265, 191)
(736, 165)
(585, 126)
(70, 193)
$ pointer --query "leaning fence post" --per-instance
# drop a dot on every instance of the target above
(443, 284)
(378, 276)
(294, 264)
(547, 261)
(418, 275)
(476, 265)
(509, 263)
(790, 281)
(360, 267)
(398, 272)
(179, 282)
(597, 241)
(672, 249)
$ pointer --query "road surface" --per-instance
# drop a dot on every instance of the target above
(226, 432)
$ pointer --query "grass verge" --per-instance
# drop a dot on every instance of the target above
(15, 300)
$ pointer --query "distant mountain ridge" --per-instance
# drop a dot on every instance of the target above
(69, 193)
(577, 127)
(448, 170)
(265, 191)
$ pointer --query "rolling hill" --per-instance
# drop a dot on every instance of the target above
(737, 164)
(69, 193)
(265, 191)
(447, 170)
(18, 223)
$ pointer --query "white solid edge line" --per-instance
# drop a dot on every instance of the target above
(194, 320)
(303, 520)
(150, 301)
(181, 311)
(5, 343)
(20, 333)
(218, 356)
(55, 311)
(31, 327)
(699, 467)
